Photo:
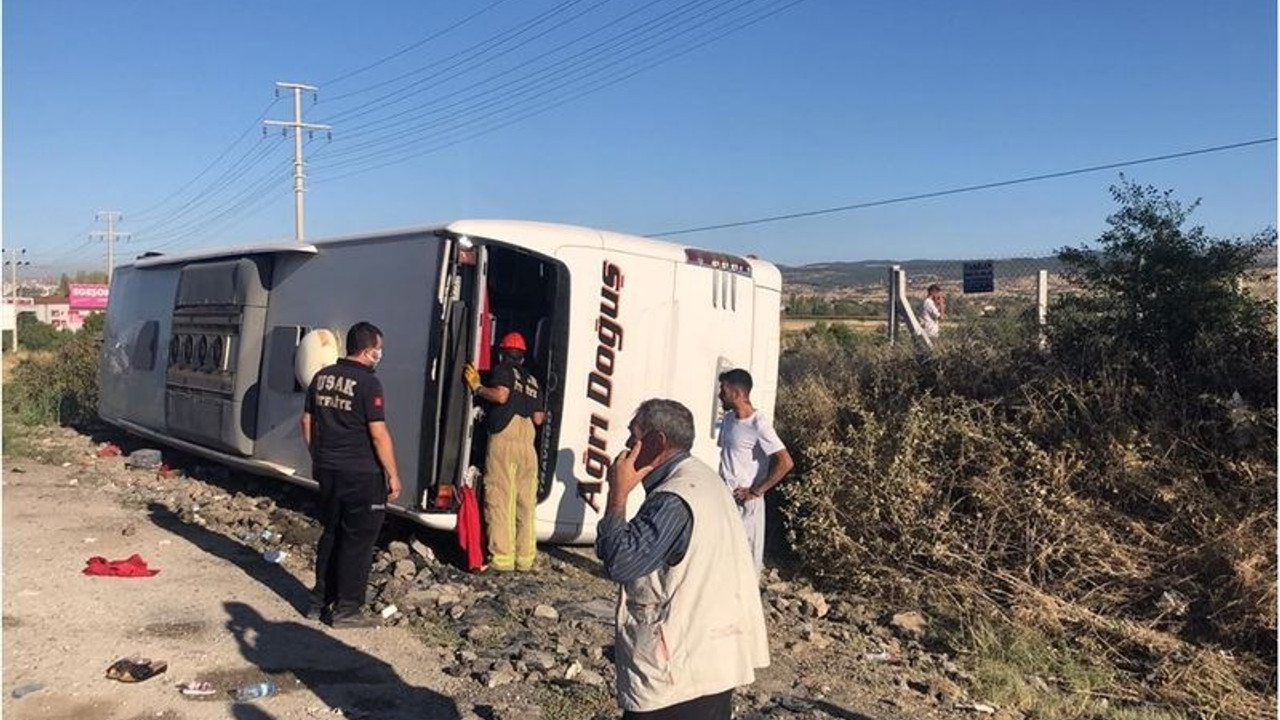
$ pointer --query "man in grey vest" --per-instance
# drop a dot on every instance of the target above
(690, 626)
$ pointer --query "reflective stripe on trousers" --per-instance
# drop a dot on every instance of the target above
(511, 496)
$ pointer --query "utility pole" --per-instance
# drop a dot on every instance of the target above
(298, 126)
(15, 259)
(111, 216)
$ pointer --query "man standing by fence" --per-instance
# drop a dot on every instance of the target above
(752, 457)
(932, 311)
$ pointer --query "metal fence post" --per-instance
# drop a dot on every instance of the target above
(1042, 303)
(893, 303)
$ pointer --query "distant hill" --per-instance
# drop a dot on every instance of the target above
(828, 276)
(833, 275)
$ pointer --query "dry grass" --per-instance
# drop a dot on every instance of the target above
(1131, 524)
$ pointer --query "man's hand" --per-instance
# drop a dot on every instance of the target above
(744, 494)
(623, 476)
(393, 487)
(471, 377)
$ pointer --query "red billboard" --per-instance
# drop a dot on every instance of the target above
(88, 296)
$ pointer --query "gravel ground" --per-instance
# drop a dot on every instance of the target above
(456, 645)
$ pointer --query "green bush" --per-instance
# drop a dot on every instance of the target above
(1168, 300)
(57, 387)
(35, 335)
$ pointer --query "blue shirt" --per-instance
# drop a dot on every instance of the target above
(659, 533)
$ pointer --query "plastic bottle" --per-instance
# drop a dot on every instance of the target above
(257, 690)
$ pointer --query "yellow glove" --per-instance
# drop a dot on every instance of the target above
(471, 377)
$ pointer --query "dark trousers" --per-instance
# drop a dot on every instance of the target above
(707, 707)
(352, 506)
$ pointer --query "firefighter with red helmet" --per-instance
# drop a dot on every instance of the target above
(511, 464)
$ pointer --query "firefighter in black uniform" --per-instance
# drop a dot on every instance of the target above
(345, 428)
(511, 464)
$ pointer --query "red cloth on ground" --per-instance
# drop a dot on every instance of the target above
(469, 528)
(133, 566)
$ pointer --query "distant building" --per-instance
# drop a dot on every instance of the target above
(56, 311)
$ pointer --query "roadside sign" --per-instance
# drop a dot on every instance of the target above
(979, 277)
(88, 296)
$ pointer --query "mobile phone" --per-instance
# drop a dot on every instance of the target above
(651, 446)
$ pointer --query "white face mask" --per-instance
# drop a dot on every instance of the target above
(375, 355)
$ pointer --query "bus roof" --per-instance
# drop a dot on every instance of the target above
(543, 237)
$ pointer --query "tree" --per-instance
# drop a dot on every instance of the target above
(1167, 297)
(35, 335)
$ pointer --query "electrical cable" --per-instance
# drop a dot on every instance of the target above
(964, 189)
(409, 48)
(504, 122)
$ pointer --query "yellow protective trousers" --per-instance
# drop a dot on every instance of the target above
(511, 496)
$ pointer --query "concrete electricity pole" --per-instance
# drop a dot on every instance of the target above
(298, 126)
(15, 259)
(111, 216)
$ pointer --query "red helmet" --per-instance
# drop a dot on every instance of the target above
(512, 341)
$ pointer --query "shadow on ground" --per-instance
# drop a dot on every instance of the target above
(246, 558)
(341, 676)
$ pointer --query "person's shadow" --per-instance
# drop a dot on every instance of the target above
(246, 558)
(341, 676)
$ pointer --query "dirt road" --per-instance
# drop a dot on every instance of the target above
(215, 610)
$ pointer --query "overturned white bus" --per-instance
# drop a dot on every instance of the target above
(211, 352)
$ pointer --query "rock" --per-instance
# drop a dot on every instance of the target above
(398, 550)
(573, 670)
(539, 659)
(814, 605)
(404, 569)
(589, 677)
(421, 549)
(945, 691)
(546, 612)
(818, 640)
(515, 711)
(498, 678)
(129, 530)
(910, 624)
(395, 591)
(778, 588)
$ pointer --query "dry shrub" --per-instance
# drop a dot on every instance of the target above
(1121, 513)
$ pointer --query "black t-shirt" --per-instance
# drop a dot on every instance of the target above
(524, 400)
(342, 400)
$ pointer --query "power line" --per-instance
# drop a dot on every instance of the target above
(411, 47)
(462, 57)
(965, 189)
(467, 123)
(212, 163)
(566, 66)
(237, 170)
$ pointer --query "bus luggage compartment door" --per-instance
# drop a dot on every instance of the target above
(211, 384)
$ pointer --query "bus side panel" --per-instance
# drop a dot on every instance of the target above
(390, 282)
(766, 339)
(618, 355)
(714, 324)
(135, 345)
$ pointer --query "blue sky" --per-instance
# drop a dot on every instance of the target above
(828, 102)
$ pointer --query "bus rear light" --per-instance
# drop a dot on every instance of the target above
(717, 261)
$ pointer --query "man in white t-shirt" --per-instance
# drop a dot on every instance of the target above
(932, 311)
(752, 457)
